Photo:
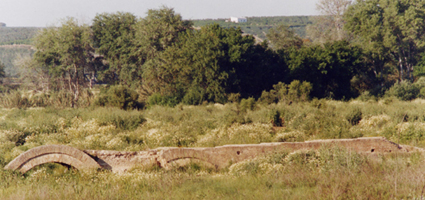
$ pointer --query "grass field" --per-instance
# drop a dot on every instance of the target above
(329, 173)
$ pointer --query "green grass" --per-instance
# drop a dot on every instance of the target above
(325, 174)
(373, 178)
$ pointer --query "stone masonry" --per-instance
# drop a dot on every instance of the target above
(219, 157)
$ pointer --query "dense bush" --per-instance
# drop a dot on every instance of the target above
(119, 96)
(194, 96)
(354, 115)
(294, 92)
(247, 104)
(161, 100)
(407, 90)
(404, 90)
(275, 118)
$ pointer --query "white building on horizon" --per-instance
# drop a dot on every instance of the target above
(238, 19)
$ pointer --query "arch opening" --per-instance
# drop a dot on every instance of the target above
(52, 158)
(181, 161)
(54, 168)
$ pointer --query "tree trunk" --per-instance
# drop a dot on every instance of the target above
(400, 70)
(76, 86)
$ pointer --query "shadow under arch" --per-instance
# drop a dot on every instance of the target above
(170, 155)
(205, 162)
(52, 154)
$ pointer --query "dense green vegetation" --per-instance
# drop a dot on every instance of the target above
(327, 173)
(129, 83)
(167, 62)
(258, 26)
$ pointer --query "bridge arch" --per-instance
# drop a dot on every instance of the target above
(168, 156)
(205, 162)
(52, 154)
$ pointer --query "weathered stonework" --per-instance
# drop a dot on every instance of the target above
(52, 153)
(219, 157)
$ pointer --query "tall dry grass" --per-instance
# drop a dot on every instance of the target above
(324, 174)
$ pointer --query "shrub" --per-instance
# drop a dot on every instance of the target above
(318, 103)
(422, 93)
(296, 91)
(268, 97)
(194, 96)
(158, 99)
(404, 90)
(119, 96)
(40, 100)
(303, 157)
(293, 136)
(354, 115)
(233, 97)
(247, 104)
(233, 116)
(334, 158)
(269, 164)
(275, 118)
(14, 99)
(61, 99)
(366, 96)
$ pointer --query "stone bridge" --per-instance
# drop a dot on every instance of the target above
(52, 154)
(219, 157)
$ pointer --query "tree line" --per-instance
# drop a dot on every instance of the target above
(17, 35)
(164, 59)
(260, 26)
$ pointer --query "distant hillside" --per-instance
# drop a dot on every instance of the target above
(17, 35)
(260, 26)
(8, 54)
(14, 43)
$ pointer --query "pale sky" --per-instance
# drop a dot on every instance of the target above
(42, 13)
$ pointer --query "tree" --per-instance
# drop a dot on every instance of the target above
(2, 73)
(128, 43)
(203, 64)
(159, 30)
(263, 67)
(329, 25)
(282, 37)
(113, 37)
(329, 68)
(154, 34)
(66, 52)
(391, 30)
